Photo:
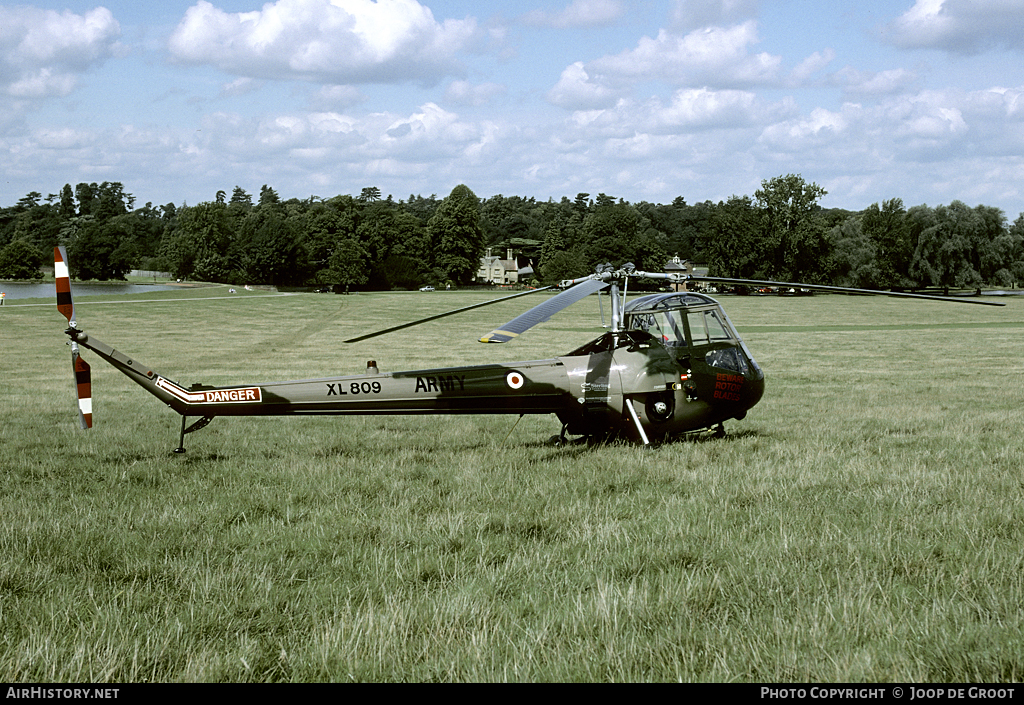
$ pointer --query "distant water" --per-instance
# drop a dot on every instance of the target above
(47, 290)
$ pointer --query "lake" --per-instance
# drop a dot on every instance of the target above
(47, 290)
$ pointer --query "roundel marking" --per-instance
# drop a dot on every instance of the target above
(515, 379)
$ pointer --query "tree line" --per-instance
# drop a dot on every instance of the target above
(370, 242)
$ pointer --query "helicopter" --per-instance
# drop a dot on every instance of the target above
(671, 364)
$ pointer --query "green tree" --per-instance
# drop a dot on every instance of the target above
(348, 265)
(240, 199)
(110, 200)
(104, 249)
(20, 260)
(514, 222)
(199, 243)
(794, 243)
(327, 223)
(582, 204)
(554, 240)
(946, 254)
(616, 232)
(992, 251)
(268, 247)
(85, 195)
(422, 208)
(369, 194)
(889, 234)
(854, 254)
(1013, 271)
(731, 244)
(150, 224)
(610, 231)
(67, 202)
(387, 232)
(456, 235)
(36, 223)
(565, 264)
(400, 272)
(678, 225)
(268, 197)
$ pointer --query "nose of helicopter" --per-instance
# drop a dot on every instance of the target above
(755, 387)
(754, 384)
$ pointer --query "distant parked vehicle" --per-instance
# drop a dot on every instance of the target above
(426, 288)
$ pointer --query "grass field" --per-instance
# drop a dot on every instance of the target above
(863, 523)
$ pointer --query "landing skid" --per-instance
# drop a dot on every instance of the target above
(711, 432)
(562, 439)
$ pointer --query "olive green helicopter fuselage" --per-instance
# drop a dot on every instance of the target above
(677, 367)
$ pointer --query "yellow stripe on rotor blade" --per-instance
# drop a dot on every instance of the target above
(499, 336)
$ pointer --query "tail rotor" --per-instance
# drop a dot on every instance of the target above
(65, 304)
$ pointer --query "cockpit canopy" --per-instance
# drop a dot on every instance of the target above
(668, 316)
(688, 323)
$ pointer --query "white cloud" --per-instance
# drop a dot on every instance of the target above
(1001, 103)
(915, 131)
(240, 86)
(466, 93)
(713, 56)
(335, 41)
(432, 135)
(337, 98)
(332, 142)
(61, 138)
(869, 83)
(961, 26)
(43, 52)
(577, 90)
(800, 133)
(811, 65)
(690, 111)
(693, 14)
(696, 109)
(579, 13)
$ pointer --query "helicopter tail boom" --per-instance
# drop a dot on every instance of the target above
(536, 387)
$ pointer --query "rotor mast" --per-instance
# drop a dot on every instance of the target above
(611, 275)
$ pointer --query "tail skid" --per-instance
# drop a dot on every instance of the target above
(201, 423)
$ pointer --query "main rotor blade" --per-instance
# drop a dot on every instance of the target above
(443, 315)
(843, 290)
(544, 311)
(60, 272)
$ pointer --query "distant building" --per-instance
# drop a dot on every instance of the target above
(494, 270)
(682, 266)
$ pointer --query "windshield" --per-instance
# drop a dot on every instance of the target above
(707, 327)
(666, 326)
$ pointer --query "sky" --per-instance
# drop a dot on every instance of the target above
(642, 100)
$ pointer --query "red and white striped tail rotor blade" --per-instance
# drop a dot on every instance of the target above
(60, 272)
(83, 375)
(83, 386)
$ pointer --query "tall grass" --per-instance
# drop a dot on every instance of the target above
(863, 523)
